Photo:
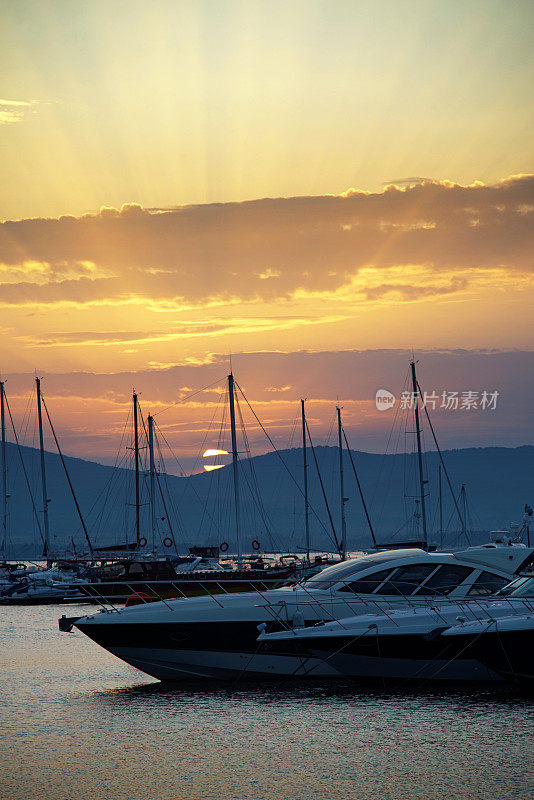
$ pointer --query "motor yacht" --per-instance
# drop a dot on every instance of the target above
(216, 636)
(444, 640)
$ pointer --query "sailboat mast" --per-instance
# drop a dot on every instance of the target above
(419, 452)
(464, 509)
(152, 480)
(440, 512)
(3, 539)
(231, 392)
(136, 459)
(305, 465)
(43, 471)
(341, 488)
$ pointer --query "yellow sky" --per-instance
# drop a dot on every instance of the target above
(163, 103)
(138, 140)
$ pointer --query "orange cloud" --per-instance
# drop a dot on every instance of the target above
(270, 249)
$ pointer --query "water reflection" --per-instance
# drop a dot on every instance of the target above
(85, 725)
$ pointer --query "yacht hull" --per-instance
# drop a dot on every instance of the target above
(509, 653)
(405, 668)
(230, 651)
(198, 651)
(175, 666)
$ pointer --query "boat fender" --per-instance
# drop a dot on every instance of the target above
(223, 547)
(255, 544)
(168, 542)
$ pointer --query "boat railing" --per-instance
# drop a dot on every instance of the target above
(142, 591)
(331, 607)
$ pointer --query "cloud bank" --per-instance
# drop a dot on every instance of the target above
(90, 409)
(270, 249)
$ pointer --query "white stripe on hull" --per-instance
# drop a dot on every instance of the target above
(178, 665)
(169, 665)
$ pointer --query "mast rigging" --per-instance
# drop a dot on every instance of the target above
(46, 547)
(422, 480)
(305, 466)
(3, 539)
(231, 398)
(152, 481)
(343, 499)
(136, 459)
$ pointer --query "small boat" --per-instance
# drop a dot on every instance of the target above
(149, 579)
(43, 586)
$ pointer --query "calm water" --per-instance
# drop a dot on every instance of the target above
(78, 724)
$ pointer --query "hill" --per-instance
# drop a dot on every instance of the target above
(499, 481)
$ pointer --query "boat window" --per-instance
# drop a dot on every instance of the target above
(486, 583)
(521, 587)
(112, 571)
(406, 579)
(368, 584)
(447, 578)
(135, 568)
(341, 572)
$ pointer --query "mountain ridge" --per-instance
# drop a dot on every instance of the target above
(498, 484)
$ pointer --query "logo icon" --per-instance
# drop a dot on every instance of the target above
(384, 400)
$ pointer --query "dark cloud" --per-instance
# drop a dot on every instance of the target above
(347, 374)
(268, 249)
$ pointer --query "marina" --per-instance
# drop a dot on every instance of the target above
(78, 723)
(266, 400)
(207, 650)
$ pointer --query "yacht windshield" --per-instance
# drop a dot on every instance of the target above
(343, 571)
(521, 587)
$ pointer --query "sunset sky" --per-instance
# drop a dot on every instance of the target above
(319, 188)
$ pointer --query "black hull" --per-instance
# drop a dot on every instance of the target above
(509, 653)
(230, 650)
(202, 636)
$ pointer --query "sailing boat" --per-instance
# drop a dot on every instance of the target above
(59, 581)
(138, 572)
